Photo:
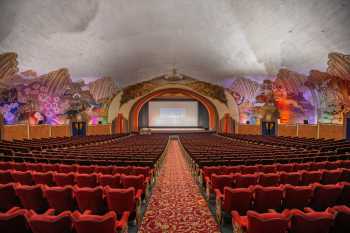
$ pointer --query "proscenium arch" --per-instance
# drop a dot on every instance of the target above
(134, 113)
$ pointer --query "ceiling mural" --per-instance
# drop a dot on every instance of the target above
(51, 98)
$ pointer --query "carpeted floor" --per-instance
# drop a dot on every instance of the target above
(176, 204)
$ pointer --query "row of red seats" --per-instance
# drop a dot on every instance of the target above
(262, 199)
(19, 220)
(81, 180)
(291, 167)
(64, 168)
(332, 220)
(96, 200)
(300, 178)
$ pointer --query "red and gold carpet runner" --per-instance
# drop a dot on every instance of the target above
(176, 204)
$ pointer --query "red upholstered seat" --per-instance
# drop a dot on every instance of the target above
(85, 169)
(345, 176)
(238, 199)
(86, 180)
(325, 196)
(342, 218)
(62, 179)
(63, 168)
(14, 221)
(43, 178)
(138, 182)
(260, 223)
(5, 177)
(244, 181)
(5, 165)
(121, 170)
(60, 198)
(331, 176)
(90, 199)
(124, 201)
(21, 177)
(269, 179)
(46, 223)
(249, 169)
(32, 197)
(318, 166)
(344, 198)
(292, 178)
(107, 170)
(19, 167)
(34, 167)
(8, 198)
(85, 223)
(268, 168)
(297, 197)
(47, 167)
(285, 167)
(267, 198)
(301, 166)
(221, 181)
(112, 181)
(313, 222)
(310, 177)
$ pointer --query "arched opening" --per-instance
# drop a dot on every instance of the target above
(204, 102)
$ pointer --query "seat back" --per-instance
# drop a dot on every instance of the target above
(221, 181)
(325, 196)
(43, 178)
(84, 223)
(342, 219)
(310, 177)
(22, 177)
(90, 199)
(269, 179)
(86, 180)
(8, 197)
(45, 223)
(267, 198)
(292, 178)
(85, 169)
(244, 181)
(297, 197)
(120, 200)
(239, 199)
(315, 222)
(112, 181)
(267, 222)
(60, 198)
(32, 197)
(344, 198)
(14, 222)
(63, 179)
(133, 181)
(331, 176)
(5, 177)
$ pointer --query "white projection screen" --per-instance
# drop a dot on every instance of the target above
(173, 114)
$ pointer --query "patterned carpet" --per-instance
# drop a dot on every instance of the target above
(176, 204)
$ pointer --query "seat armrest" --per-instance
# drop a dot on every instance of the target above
(88, 212)
(218, 194)
(308, 210)
(122, 224)
(138, 194)
(13, 209)
(272, 211)
(50, 211)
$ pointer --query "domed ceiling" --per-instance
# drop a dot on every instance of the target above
(133, 40)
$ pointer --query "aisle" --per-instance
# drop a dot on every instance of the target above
(176, 204)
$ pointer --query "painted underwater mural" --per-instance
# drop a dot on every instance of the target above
(51, 98)
(319, 97)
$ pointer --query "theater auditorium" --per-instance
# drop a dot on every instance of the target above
(175, 116)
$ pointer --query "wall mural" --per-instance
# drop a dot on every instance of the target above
(291, 97)
(51, 98)
(319, 97)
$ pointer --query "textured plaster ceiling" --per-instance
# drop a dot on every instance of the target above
(213, 40)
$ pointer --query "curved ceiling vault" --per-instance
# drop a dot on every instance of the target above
(132, 40)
